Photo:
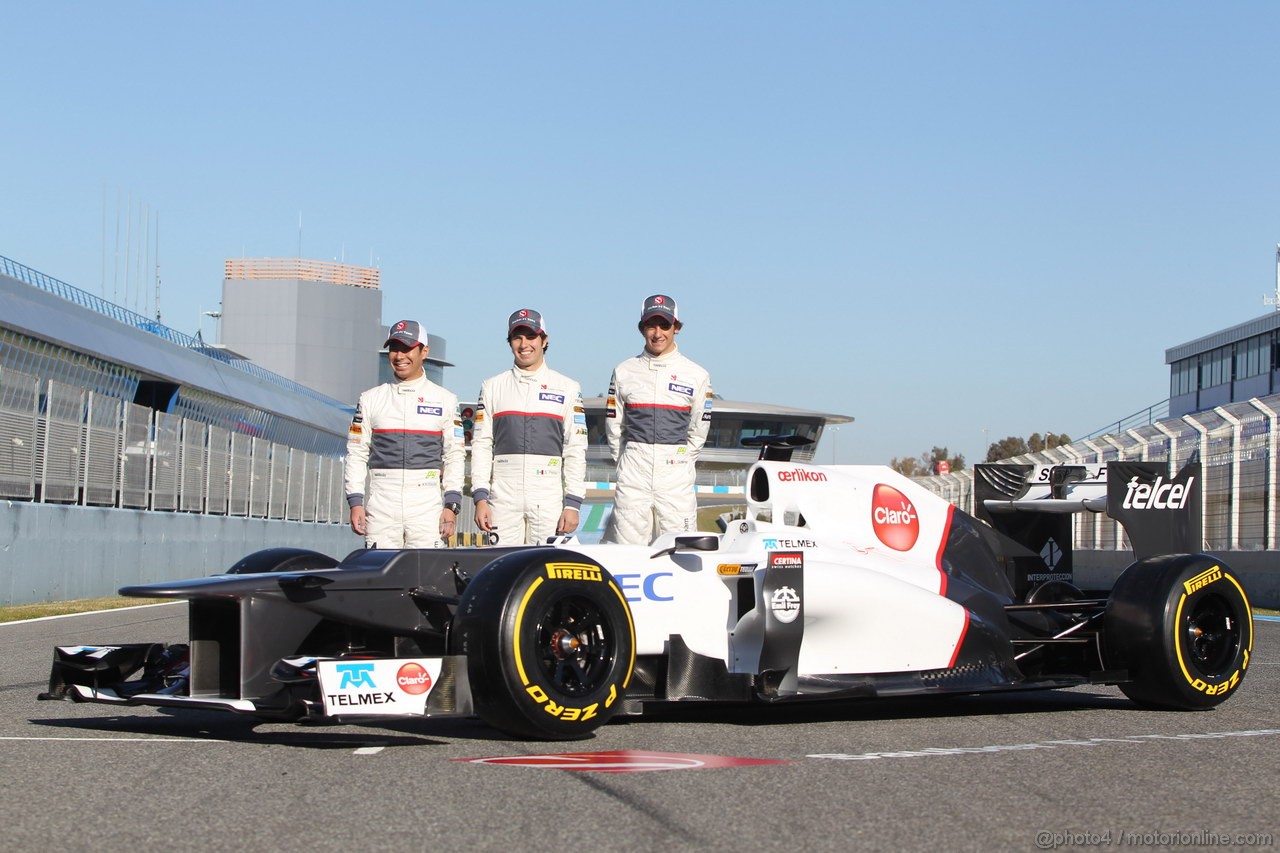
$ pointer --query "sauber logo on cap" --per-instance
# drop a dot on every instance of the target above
(894, 518)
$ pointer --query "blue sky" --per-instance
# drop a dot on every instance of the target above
(939, 218)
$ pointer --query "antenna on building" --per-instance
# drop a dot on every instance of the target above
(157, 266)
(1275, 300)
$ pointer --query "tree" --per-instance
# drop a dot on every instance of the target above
(1048, 442)
(907, 466)
(1007, 448)
(927, 463)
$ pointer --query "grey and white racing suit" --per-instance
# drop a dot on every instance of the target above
(406, 442)
(656, 420)
(529, 452)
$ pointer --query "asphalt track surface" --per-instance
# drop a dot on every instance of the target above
(1045, 770)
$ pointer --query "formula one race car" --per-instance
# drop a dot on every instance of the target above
(839, 582)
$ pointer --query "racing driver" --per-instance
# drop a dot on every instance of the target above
(656, 419)
(529, 448)
(406, 441)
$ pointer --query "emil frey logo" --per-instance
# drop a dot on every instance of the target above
(894, 518)
(785, 604)
(1157, 495)
(356, 675)
(413, 678)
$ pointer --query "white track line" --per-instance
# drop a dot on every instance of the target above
(87, 613)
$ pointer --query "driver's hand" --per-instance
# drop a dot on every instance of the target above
(568, 522)
(359, 521)
(484, 516)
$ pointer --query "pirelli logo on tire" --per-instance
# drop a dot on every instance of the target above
(573, 572)
(568, 712)
(1203, 579)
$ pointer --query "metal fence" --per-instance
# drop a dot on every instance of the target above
(1238, 447)
(60, 443)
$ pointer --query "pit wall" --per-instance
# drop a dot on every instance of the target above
(53, 552)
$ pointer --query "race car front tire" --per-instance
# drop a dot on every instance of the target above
(549, 641)
(1182, 627)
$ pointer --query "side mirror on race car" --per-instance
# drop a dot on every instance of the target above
(776, 448)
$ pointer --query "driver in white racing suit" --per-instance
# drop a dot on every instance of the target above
(529, 447)
(656, 420)
(406, 442)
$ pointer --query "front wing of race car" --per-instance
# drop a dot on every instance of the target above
(158, 675)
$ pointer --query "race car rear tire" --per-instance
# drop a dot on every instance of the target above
(1182, 627)
(549, 641)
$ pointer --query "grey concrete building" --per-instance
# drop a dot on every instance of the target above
(317, 323)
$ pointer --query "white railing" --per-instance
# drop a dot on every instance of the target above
(1237, 446)
(63, 444)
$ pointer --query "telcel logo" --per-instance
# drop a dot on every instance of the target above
(799, 475)
(413, 678)
(1157, 495)
(894, 518)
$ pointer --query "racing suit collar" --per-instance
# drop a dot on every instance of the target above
(530, 375)
(658, 360)
(410, 386)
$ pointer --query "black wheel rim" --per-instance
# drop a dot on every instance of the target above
(1211, 634)
(575, 645)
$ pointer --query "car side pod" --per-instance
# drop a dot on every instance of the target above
(549, 641)
(1181, 625)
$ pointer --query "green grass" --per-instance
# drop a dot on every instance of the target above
(62, 608)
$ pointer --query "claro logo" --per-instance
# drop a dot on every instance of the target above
(894, 518)
(800, 475)
(1157, 495)
(413, 678)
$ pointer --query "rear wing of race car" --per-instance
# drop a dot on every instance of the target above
(1033, 505)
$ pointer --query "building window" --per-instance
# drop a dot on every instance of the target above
(1183, 377)
(1253, 357)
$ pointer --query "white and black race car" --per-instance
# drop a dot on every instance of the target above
(839, 582)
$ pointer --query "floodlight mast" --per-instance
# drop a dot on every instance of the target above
(1275, 300)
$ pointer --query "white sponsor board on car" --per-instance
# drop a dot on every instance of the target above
(387, 687)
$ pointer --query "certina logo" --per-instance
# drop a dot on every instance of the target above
(548, 397)
(894, 518)
(413, 678)
(680, 389)
(431, 410)
(1157, 495)
(799, 475)
(772, 544)
(787, 560)
(785, 604)
(1203, 579)
(573, 572)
